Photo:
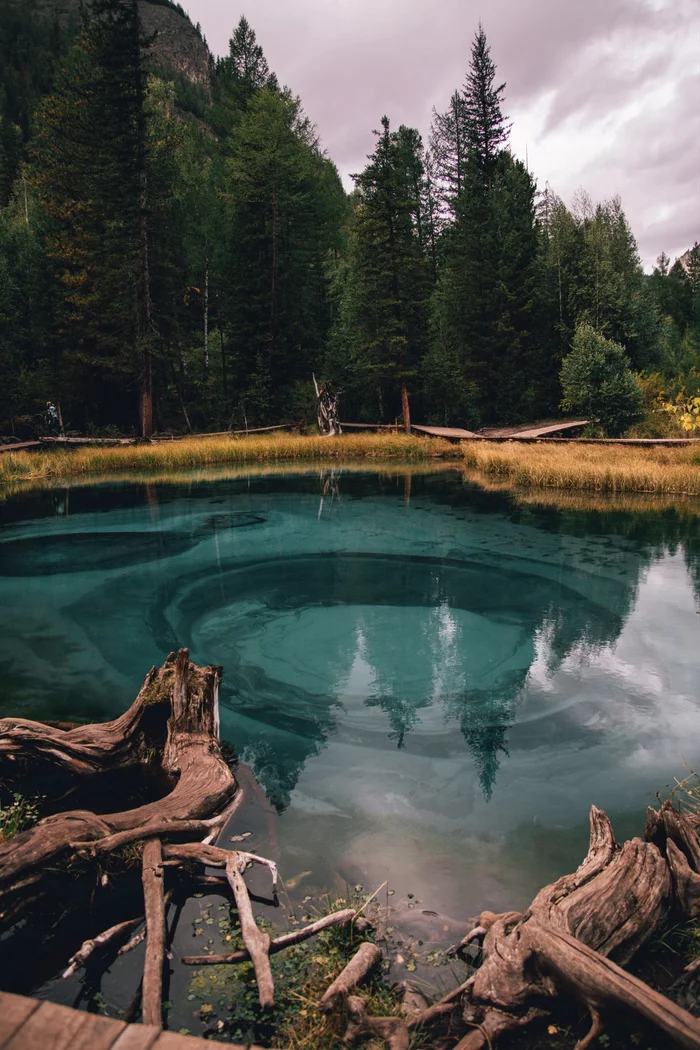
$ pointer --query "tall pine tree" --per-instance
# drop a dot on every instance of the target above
(90, 171)
(384, 313)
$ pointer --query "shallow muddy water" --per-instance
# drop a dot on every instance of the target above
(431, 682)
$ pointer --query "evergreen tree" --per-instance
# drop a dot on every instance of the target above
(384, 319)
(485, 126)
(90, 171)
(243, 71)
(286, 204)
(597, 380)
(448, 146)
(484, 314)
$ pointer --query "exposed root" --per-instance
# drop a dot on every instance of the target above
(365, 959)
(256, 940)
(337, 918)
(392, 1030)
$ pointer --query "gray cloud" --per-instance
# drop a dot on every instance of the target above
(604, 94)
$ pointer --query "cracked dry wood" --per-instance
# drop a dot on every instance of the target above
(174, 717)
(566, 941)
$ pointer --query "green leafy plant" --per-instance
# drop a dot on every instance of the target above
(596, 379)
(18, 815)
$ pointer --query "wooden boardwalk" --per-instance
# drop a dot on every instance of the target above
(448, 433)
(27, 1024)
(552, 429)
(19, 446)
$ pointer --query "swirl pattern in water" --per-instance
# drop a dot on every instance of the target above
(444, 673)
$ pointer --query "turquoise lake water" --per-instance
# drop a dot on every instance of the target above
(431, 682)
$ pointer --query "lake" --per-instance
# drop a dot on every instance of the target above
(432, 682)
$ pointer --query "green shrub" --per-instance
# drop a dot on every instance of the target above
(596, 380)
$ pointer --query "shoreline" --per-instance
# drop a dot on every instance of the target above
(583, 467)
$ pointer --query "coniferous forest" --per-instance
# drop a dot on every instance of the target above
(179, 253)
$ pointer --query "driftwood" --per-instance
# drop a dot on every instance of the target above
(154, 904)
(336, 918)
(256, 940)
(572, 941)
(364, 960)
(173, 726)
(575, 935)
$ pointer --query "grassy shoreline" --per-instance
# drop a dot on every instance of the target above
(191, 453)
(594, 469)
(588, 468)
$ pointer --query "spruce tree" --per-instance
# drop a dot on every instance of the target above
(448, 146)
(385, 308)
(90, 171)
(486, 128)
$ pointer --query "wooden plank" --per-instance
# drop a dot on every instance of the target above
(552, 428)
(54, 1027)
(639, 442)
(258, 430)
(173, 1041)
(19, 446)
(369, 426)
(450, 433)
(137, 1037)
(14, 1011)
(59, 441)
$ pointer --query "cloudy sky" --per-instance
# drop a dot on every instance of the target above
(603, 94)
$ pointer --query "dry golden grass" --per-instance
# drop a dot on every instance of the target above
(193, 453)
(575, 467)
(584, 467)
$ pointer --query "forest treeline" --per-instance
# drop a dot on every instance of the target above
(175, 256)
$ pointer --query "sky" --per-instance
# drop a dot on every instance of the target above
(604, 95)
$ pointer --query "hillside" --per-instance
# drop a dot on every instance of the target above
(177, 44)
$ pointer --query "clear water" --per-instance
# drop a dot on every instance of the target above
(432, 683)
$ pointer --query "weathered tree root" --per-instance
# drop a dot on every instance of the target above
(365, 959)
(570, 942)
(392, 1030)
(567, 940)
(174, 721)
(337, 918)
(176, 718)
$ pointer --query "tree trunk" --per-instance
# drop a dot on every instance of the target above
(145, 317)
(206, 313)
(405, 409)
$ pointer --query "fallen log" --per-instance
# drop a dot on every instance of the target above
(154, 905)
